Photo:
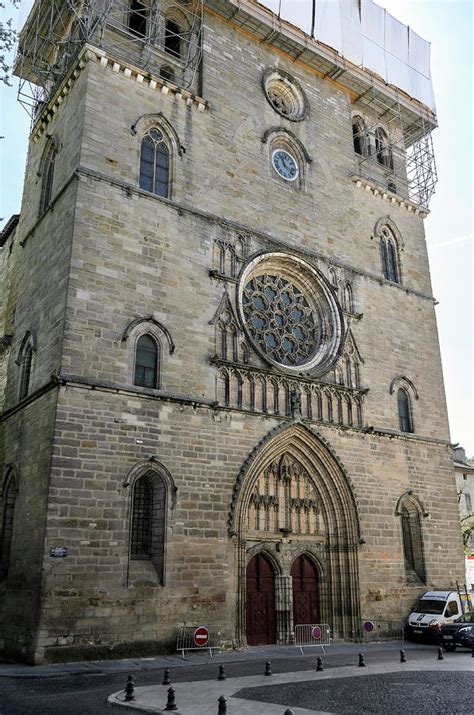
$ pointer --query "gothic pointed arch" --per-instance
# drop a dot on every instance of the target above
(406, 383)
(8, 499)
(293, 486)
(411, 512)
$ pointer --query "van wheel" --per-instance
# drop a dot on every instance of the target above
(450, 647)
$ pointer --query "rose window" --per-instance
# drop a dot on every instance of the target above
(285, 95)
(280, 319)
(289, 313)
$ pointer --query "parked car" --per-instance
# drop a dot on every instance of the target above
(434, 608)
(459, 633)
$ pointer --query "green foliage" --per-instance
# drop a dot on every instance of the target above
(7, 41)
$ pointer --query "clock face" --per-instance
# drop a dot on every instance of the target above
(285, 165)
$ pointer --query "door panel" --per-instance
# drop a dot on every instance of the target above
(261, 621)
(305, 591)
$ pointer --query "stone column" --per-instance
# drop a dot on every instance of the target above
(284, 609)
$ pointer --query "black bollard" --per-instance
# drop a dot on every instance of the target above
(289, 712)
(222, 710)
(221, 675)
(268, 668)
(440, 654)
(361, 660)
(403, 658)
(166, 677)
(319, 665)
(130, 689)
(171, 702)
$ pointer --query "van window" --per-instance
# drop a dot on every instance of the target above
(452, 609)
(431, 606)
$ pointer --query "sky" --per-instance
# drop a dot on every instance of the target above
(448, 25)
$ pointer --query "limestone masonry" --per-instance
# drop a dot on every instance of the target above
(220, 380)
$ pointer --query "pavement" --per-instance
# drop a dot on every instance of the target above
(383, 685)
(271, 695)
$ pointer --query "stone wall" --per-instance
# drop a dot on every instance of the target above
(106, 254)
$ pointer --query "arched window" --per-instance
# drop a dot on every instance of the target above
(25, 374)
(147, 358)
(167, 72)
(148, 517)
(359, 136)
(47, 176)
(155, 163)
(383, 152)
(404, 411)
(412, 540)
(24, 361)
(389, 256)
(137, 18)
(6, 536)
(172, 38)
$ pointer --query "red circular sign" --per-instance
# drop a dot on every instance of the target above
(201, 636)
(316, 633)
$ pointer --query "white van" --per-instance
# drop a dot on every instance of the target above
(433, 609)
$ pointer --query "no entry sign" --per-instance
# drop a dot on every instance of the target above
(316, 633)
(201, 636)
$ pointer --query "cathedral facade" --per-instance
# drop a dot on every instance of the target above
(223, 401)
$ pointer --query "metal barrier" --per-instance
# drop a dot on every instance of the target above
(372, 629)
(197, 638)
(312, 634)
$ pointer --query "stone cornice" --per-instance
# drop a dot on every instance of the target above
(395, 199)
(89, 53)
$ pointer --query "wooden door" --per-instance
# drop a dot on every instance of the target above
(305, 591)
(261, 621)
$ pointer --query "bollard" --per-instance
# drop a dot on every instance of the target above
(361, 660)
(319, 665)
(440, 654)
(171, 702)
(222, 710)
(166, 677)
(268, 668)
(130, 689)
(221, 675)
(403, 658)
(289, 712)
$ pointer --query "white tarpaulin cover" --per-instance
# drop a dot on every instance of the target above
(371, 38)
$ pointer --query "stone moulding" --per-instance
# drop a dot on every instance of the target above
(246, 466)
(94, 54)
(394, 199)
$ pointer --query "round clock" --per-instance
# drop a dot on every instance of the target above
(285, 165)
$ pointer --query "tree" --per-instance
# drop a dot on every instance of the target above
(7, 42)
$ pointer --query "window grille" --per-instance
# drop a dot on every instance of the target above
(146, 362)
(7, 528)
(141, 543)
(388, 255)
(154, 164)
(412, 542)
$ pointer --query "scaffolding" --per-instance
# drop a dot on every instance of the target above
(164, 41)
(394, 148)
